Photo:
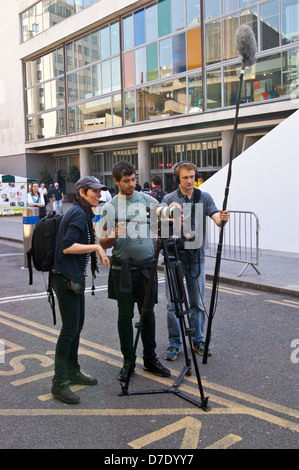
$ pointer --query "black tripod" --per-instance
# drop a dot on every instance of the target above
(179, 298)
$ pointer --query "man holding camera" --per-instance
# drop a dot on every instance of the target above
(132, 257)
(192, 260)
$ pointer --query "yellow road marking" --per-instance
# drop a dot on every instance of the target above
(226, 406)
(285, 303)
(192, 428)
(226, 442)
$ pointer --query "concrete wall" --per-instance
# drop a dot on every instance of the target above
(265, 181)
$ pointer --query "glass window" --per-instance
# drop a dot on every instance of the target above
(290, 21)
(106, 76)
(245, 3)
(151, 22)
(213, 42)
(194, 48)
(229, 28)
(129, 107)
(69, 57)
(140, 65)
(267, 81)
(114, 28)
(117, 110)
(262, 81)
(152, 61)
(129, 69)
(178, 15)
(212, 9)
(164, 17)
(97, 79)
(290, 72)
(45, 67)
(250, 17)
(195, 93)
(179, 53)
(139, 30)
(229, 5)
(163, 100)
(105, 42)
(86, 49)
(269, 24)
(47, 125)
(46, 96)
(193, 12)
(128, 41)
(166, 57)
(115, 68)
(214, 89)
(94, 115)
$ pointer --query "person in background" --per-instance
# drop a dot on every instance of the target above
(146, 188)
(35, 199)
(156, 191)
(43, 190)
(75, 245)
(58, 199)
(51, 196)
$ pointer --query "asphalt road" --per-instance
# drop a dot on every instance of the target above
(251, 379)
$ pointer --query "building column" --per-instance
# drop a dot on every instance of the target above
(84, 163)
(227, 137)
(144, 162)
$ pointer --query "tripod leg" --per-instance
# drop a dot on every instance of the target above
(179, 298)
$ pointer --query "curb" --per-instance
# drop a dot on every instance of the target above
(225, 280)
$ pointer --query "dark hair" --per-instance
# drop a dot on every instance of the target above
(146, 185)
(156, 180)
(122, 168)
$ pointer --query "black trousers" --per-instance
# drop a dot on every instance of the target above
(72, 311)
(126, 302)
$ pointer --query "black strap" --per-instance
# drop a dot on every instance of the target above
(51, 298)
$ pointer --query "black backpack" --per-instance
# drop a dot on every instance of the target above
(43, 249)
(158, 194)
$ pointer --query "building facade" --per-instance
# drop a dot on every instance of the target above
(87, 83)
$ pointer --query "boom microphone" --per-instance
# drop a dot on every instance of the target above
(247, 48)
(246, 44)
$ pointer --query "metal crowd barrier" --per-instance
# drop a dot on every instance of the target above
(240, 239)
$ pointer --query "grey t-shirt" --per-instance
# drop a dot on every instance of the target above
(137, 243)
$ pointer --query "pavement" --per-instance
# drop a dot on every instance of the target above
(279, 271)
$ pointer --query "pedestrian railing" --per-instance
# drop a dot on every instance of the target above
(240, 239)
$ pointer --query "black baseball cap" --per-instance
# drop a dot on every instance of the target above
(90, 182)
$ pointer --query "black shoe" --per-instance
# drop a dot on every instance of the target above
(64, 393)
(80, 379)
(157, 368)
(124, 371)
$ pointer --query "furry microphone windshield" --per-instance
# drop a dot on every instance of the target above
(246, 44)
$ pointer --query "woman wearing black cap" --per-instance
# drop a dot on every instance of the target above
(75, 243)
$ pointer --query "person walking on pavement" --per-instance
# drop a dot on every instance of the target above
(192, 261)
(36, 199)
(58, 198)
(75, 245)
(132, 258)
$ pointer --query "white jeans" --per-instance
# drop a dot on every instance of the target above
(57, 206)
